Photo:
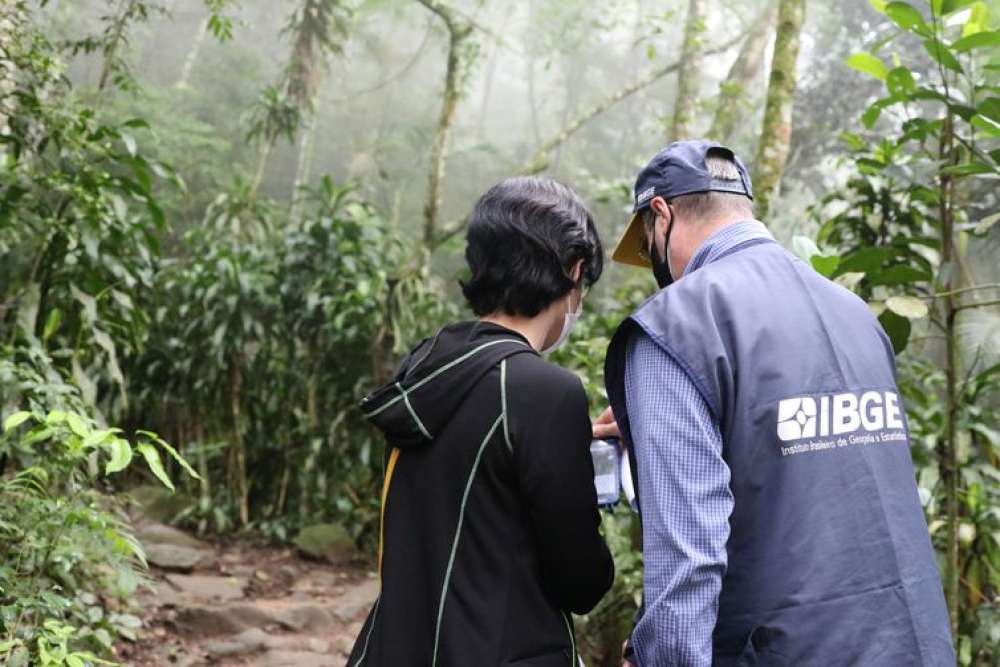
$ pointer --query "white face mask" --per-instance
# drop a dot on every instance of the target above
(569, 323)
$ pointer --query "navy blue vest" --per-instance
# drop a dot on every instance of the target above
(829, 558)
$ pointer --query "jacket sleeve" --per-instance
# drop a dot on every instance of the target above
(549, 431)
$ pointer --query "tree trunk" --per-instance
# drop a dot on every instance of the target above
(686, 103)
(304, 166)
(113, 43)
(539, 162)
(775, 138)
(731, 105)
(192, 55)
(239, 473)
(947, 450)
(10, 20)
(458, 32)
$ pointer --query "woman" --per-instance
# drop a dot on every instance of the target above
(489, 536)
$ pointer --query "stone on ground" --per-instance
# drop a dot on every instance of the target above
(205, 587)
(299, 659)
(326, 541)
(356, 601)
(175, 558)
(212, 621)
(246, 642)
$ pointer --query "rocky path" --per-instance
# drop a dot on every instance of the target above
(241, 604)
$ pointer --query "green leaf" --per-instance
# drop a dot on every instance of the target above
(868, 64)
(942, 54)
(878, 5)
(978, 40)
(825, 266)
(121, 455)
(988, 125)
(907, 306)
(907, 18)
(900, 81)
(979, 19)
(77, 424)
(897, 328)
(16, 420)
(986, 223)
(155, 465)
(130, 144)
(968, 169)
(170, 450)
(804, 247)
(52, 323)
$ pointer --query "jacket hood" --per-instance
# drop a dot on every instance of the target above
(435, 378)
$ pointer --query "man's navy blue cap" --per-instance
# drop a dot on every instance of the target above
(679, 169)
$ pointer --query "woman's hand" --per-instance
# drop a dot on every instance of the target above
(605, 426)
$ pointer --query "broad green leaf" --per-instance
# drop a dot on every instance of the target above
(942, 54)
(16, 420)
(170, 450)
(897, 328)
(825, 265)
(988, 125)
(979, 19)
(907, 306)
(155, 465)
(900, 81)
(978, 40)
(878, 5)
(77, 424)
(907, 17)
(130, 145)
(868, 64)
(121, 455)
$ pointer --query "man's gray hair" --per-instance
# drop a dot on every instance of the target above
(711, 205)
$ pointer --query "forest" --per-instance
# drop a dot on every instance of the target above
(222, 222)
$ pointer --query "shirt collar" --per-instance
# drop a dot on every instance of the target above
(725, 239)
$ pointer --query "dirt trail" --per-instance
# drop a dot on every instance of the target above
(242, 604)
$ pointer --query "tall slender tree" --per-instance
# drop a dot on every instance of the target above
(318, 29)
(775, 138)
(732, 101)
(459, 58)
(686, 103)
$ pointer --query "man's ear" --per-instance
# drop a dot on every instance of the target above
(659, 206)
(577, 271)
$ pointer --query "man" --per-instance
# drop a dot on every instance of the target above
(781, 522)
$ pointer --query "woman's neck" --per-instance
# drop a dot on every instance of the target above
(535, 329)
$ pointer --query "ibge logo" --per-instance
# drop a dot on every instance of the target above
(805, 417)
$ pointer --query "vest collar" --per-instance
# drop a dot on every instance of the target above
(725, 239)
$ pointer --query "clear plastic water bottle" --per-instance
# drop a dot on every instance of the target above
(607, 471)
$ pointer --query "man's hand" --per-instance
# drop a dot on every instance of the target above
(605, 426)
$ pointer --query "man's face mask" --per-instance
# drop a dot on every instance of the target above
(661, 265)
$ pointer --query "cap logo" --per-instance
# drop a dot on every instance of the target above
(645, 195)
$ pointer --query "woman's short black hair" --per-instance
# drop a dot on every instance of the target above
(524, 236)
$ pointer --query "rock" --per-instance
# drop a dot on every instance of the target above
(302, 617)
(356, 601)
(343, 646)
(212, 621)
(157, 502)
(149, 532)
(248, 641)
(298, 659)
(326, 541)
(203, 587)
(181, 559)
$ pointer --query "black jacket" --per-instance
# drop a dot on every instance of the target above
(490, 523)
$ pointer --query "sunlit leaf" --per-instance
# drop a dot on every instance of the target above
(978, 40)
(907, 17)
(155, 464)
(942, 54)
(121, 455)
(16, 420)
(907, 306)
(868, 64)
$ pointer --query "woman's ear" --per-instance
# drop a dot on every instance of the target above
(577, 271)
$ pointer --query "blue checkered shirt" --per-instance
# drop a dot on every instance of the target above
(684, 486)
